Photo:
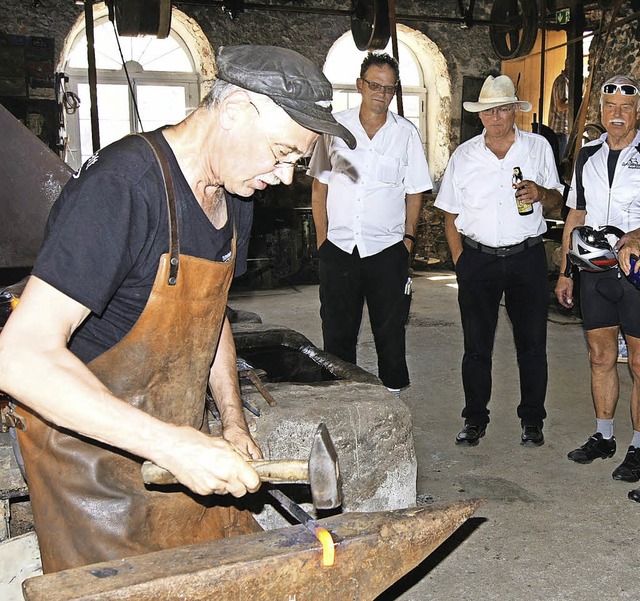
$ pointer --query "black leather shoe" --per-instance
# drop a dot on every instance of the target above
(471, 434)
(634, 495)
(532, 435)
(629, 469)
(595, 448)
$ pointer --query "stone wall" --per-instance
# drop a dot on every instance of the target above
(432, 242)
(621, 56)
(50, 18)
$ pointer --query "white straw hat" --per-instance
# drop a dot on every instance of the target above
(496, 91)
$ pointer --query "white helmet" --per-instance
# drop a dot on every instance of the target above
(590, 249)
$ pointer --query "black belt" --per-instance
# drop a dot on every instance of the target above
(502, 251)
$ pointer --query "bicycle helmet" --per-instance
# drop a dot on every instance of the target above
(590, 250)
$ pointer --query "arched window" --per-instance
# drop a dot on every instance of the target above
(342, 68)
(164, 86)
(426, 87)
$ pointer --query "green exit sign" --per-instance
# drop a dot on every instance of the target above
(563, 16)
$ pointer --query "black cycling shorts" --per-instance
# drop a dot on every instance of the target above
(608, 299)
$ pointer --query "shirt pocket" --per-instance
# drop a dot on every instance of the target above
(388, 169)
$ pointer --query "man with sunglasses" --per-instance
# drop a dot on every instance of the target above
(605, 191)
(122, 325)
(366, 206)
(494, 192)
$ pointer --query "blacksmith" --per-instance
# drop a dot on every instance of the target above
(122, 324)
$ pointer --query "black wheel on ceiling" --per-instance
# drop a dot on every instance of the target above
(370, 24)
(141, 17)
(514, 27)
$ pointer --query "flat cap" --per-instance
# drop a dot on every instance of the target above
(292, 81)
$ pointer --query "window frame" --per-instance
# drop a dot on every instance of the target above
(407, 91)
(189, 81)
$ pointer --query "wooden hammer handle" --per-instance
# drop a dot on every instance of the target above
(276, 471)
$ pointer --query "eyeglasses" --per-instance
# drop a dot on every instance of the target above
(278, 163)
(376, 87)
(626, 89)
(501, 111)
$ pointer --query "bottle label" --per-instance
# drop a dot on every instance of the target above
(524, 208)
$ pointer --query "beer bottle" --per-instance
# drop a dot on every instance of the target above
(524, 208)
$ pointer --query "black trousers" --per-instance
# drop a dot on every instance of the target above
(346, 280)
(482, 280)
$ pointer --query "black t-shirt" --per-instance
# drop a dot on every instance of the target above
(108, 229)
(612, 161)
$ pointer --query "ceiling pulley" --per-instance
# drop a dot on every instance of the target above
(370, 24)
(514, 27)
(141, 17)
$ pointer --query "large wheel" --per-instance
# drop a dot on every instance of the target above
(514, 27)
(141, 17)
(370, 25)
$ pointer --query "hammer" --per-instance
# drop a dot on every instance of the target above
(321, 471)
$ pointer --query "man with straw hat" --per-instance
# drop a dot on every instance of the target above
(493, 194)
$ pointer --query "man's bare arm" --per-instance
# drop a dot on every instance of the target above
(564, 286)
(224, 385)
(412, 219)
(38, 370)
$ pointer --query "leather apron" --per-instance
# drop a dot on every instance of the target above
(89, 502)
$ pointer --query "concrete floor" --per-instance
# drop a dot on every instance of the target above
(549, 529)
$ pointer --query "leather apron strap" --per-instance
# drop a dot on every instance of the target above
(88, 499)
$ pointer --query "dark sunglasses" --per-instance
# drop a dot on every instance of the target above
(626, 89)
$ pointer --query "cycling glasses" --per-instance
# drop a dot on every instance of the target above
(626, 89)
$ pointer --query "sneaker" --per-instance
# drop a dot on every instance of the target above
(629, 469)
(395, 392)
(595, 448)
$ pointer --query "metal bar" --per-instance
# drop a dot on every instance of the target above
(294, 510)
(602, 28)
(257, 382)
(336, 12)
(576, 68)
(543, 56)
(394, 46)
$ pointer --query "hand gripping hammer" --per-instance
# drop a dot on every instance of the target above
(321, 471)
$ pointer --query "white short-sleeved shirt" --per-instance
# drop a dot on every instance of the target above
(478, 187)
(616, 204)
(366, 199)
